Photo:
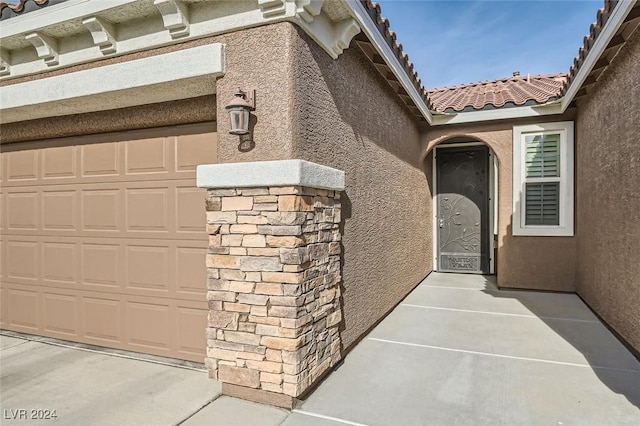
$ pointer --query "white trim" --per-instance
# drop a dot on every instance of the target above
(361, 15)
(521, 358)
(492, 211)
(614, 22)
(498, 114)
(492, 195)
(565, 227)
(270, 173)
(170, 76)
(434, 206)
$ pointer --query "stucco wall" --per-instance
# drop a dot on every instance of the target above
(542, 263)
(608, 195)
(347, 117)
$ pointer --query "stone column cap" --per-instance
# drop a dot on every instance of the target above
(270, 173)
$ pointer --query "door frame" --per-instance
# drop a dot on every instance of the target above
(493, 200)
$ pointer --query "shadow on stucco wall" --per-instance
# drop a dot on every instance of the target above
(348, 117)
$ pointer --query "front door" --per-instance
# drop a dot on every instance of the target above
(463, 209)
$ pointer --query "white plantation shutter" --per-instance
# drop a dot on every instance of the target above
(542, 156)
(543, 179)
(542, 203)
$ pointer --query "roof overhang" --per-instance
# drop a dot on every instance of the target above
(621, 24)
(82, 31)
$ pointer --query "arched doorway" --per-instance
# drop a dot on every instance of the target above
(464, 204)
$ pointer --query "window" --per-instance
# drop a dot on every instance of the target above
(543, 179)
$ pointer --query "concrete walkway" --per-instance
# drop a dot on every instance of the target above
(456, 351)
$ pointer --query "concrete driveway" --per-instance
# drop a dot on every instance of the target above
(456, 351)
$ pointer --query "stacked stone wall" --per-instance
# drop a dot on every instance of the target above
(273, 287)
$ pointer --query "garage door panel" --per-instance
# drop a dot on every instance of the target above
(102, 320)
(192, 323)
(22, 167)
(22, 211)
(148, 156)
(147, 324)
(60, 209)
(148, 209)
(101, 209)
(104, 242)
(100, 160)
(148, 268)
(3, 260)
(191, 149)
(59, 162)
(59, 262)
(22, 260)
(23, 308)
(102, 265)
(189, 213)
(60, 314)
(3, 206)
(190, 278)
(3, 306)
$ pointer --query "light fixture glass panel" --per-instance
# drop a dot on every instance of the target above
(239, 118)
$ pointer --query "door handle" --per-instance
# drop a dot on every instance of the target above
(441, 223)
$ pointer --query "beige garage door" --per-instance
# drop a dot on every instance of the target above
(103, 239)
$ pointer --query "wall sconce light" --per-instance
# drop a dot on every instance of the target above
(239, 108)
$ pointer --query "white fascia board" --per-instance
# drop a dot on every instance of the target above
(62, 12)
(360, 14)
(497, 114)
(170, 76)
(606, 34)
(270, 173)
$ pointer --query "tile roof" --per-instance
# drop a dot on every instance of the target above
(504, 92)
(383, 24)
(594, 31)
(13, 8)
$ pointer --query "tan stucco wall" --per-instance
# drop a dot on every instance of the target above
(348, 117)
(543, 263)
(608, 195)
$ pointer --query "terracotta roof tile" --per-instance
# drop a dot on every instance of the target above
(13, 8)
(18, 5)
(383, 24)
(510, 91)
(594, 31)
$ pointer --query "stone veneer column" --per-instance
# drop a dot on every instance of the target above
(273, 276)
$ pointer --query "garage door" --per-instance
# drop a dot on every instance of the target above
(103, 239)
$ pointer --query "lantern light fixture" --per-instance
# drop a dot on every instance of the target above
(238, 109)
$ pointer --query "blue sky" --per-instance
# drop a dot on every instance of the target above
(460, 41)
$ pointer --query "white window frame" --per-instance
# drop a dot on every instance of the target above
(565, 227)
